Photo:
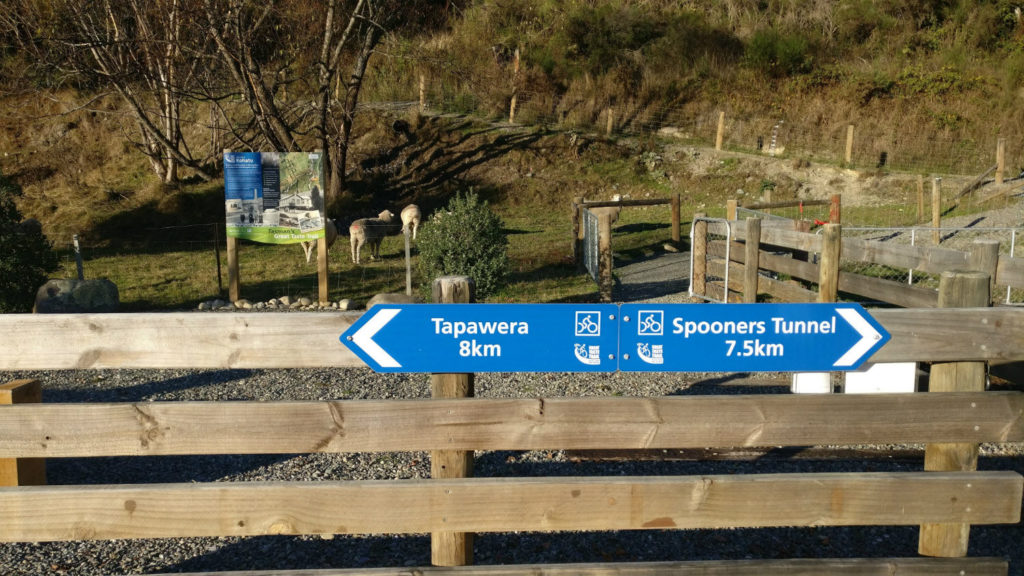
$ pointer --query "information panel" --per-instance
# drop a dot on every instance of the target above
(274, 198)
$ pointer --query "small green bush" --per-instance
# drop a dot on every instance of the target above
(778, 55)
(465, 239)
(26, 256)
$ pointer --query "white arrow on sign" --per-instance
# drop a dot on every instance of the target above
(364, 338)
(868, 337)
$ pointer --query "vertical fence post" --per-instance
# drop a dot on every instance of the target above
(720, 133)
(730, 209)
(408, 261)
(234, 285)
(604, 255)
(675, 218)
(956, 290)
(610, 126)
(983, 256)
(423, 94)
(515, 87)
(321, 268)
(216, 254)
(849, 144)
(1000, 160)
(451, 548)
(751, 260)
(22, 471)
(577, 231)
(835, 204)
(828, 267)
(78, 257)
(936, 209)
(920, 198)
(699, 255)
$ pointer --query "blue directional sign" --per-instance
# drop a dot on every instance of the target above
(487, 337)
(746, 337)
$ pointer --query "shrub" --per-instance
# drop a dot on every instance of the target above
(467, 239)
(26, 256)
(779, 55)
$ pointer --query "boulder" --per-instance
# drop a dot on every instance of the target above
(71, 295)
(392, 298)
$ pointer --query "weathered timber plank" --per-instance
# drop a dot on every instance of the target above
(897, 293)
(951, 334)
(176, 340)
(165, 428)
(924, 258)
(805, 241)
(1010, 271)
(795, 567)
(35, 513)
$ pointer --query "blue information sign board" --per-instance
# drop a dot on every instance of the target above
(746, 337)
(487, 337)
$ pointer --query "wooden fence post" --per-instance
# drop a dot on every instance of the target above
(835, 209)
(610, 127)
(1000, 160)
(849, 144)
(751, 260)
(730, 209)
(956, 290)
(720, 133)
(22, 471)
(423, 94)
(699, 250)
(234, 284)
(936, 210)
(828, 267)
(604, 256)
(515, 88)
(920, 198)
(321, 268)
(675, 218)
(984, 257)
(577, 231)
(451, 548)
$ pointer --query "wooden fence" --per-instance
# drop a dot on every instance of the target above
(592, 244)
(944, 499)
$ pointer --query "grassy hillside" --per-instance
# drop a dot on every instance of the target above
(929, 86)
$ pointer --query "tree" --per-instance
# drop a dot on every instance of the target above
(136, 49)
(25, 254)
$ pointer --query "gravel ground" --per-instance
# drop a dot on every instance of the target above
(288, 552)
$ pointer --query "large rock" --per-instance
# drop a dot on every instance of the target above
(71, 295)
(393, 298)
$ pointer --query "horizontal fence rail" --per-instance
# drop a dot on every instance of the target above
(171, 428)
(239, 340)
(506, 504)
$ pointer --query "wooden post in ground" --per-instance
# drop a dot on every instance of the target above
(730, 209)
(720, 133)
(835, 214)
(984, 257)
(828, 267)
(451, 548)
(956, 290)
(610, 127)
(22, 471)
(604, 256)
(321, 268)
(423, 94)
(936, 210)
(751, 260)
(515, 88)
(675, 218)
(1000, 160)
(408, 262)
(849, 144)
(920, 198)
(577, 231)
(699, 250)
(234, 285)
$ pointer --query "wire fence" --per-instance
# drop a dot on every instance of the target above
(959, 239)
(796, 134)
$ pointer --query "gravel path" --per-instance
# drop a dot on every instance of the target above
(288, 552)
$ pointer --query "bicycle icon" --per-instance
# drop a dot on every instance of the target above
(588, 323)
(650, 323)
